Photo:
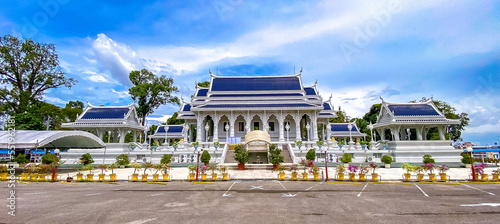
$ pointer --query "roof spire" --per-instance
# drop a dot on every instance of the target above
(330, 99)
(315, 83)
(211, 74)
(301, 69)
(383, 101)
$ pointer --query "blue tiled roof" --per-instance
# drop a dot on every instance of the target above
(255, 95)
(326, 106)
(323, 114)
(255, 105)
(342, 127)
(256, 84)
(171, 129)
(202, 92)
(310, 91)
(413, 110)
(105, 113)
(187, 107)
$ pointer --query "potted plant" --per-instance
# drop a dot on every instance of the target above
(157, 168)
(175, 145)
(241, 155)
(428, 159)
(346, 159)
(363, 144)
(387, 160)
(303, 165)
(466, 159)
(298, 144)
(195, 145)
(112, 167)
(374, 167)
(90, 175)
(86, 159)
(311, 155)
(103, 168)
(205, 157)
(79, 174)
(132, 145)
(213, 168)
(137, 168)
(340, 171)
(383, 143)
(146, 166)
(223, 170)
(293, 169)
(42, 171)
(409, 169)
(203, 170)
(429, 167)
(275, 156)
(495, 174)
(192, 170)
(352, 172)
(362, 170)
(281, 172)
(442, 171)
(479, 169)
(315, 171)
(216, 145)
(419, 170)
(166, 168)
(166, 159)
(320, 144)
(26, 171)
(122, 160)
(341, 144)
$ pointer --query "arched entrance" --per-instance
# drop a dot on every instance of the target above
(257, 143)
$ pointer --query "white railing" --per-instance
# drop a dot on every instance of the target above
(290, 150)
(224, 152)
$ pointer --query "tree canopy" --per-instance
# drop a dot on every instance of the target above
(151, 91)
(173, 120)
(28, 69)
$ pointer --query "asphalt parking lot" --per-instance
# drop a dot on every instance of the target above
(252, 202)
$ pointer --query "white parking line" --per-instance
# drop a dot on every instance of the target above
(289, 195)
(482, 204)
(423, 192)
(156, 194)
(478, 189)
(92, 194)
(226, 194)
(36, 193)
(142, 221)
(362, 190)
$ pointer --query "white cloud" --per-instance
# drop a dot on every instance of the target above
(54, 100)
(484, 128)
(155, 120)
(122, 94)
(98, 78)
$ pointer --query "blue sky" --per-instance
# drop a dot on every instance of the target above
(357, 50)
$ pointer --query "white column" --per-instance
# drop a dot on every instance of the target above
(281, 121)
(232, 119)
(315, 127)
(216, 120)
(441, 131)
(419, 133)
(199, 128)
(265, 125)
(122, 135)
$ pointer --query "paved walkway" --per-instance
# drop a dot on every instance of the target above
(179, 174)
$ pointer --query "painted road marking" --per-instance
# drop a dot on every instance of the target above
(286, 195)
(478, 189)
(257, 187)
(362, 190)
(36, 193)
(160, 183)
(226, 194)
(141, 221)
(482, 204)
(203, 182)
(156, 195)
(68, 183)
(338, 182)
(395, 183)
(92, 194)
(423, 192)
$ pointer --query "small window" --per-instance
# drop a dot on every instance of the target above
(241, 126)
(271, 126)
(377, 155)
(256, 125)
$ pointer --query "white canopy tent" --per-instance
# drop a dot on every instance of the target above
(25, 139)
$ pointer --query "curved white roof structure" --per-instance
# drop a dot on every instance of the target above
(24, 139)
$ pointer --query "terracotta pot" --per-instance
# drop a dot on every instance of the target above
(341, 176)
(361, 176)
(443, 176)
(352, 176)
(375, 176)
(275, 167)
(241, 166)
(206, 164)
(69, 179)
(407, 176)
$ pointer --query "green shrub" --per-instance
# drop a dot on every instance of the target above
(166, 159)
(465, 158)
(275, 156)
(241, 154)
(86, 159)
(346, 158)
(205, 157)
(428, 159)
(48, 158)
(311, 155)
(21, 159)
(386, 159)
(122, 160)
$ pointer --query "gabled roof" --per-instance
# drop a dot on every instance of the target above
(173, 131)
(202, 92)
(413, 110)
(310, 91)
(342, 130)
(256, 83)
(106, 113)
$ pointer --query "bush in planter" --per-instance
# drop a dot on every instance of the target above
(386, 159)
(241, 154)
(275, 156)
(408, 167)
(48, 158)
(137, 167)
(429, 167)
(373, 166)
(192, 168)
(166, 159)
(443, 168)
(311, 155)
(466, 158)
(88, 167)
(112, 166)
(205, 157)
(428, 159)
(103, 168)
(86, 159)
(122, 160)
(147, 166)
(21, 159)
(346, 158)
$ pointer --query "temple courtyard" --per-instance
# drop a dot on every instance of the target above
(253, 202)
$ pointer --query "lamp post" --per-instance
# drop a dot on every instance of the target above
(469, 149)
(349, 126)
(56, 151)
(287, 128)
(227, 132)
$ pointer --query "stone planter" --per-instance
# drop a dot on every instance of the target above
(33, 176)
(3, 176)
(225, 176)
(443, 176)
(144, 177)
(214, 176)
(165, 177)
(135, 177)
(432, 176)
(282, 175)
(495, 176)
(294, 176)
(387, 165)
(467, 166)
(361, 177)
(420, 176)
(484, 177)
(407, 176)
(341, 176)
(112, 177)
(155, 176)
(90, 176)
(346, 165)
(352, 176)
(191, 176)
(304, 176)
(203, 176)
(375, 176)
(41, 177)
(24, 176)
(316, 176)
(79, 177)
(101, 176)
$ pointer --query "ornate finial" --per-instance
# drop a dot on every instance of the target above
(300, 72)
(330, 99)
(432, 98)
(315, 83)
(381, 98)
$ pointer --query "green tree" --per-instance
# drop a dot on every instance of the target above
(86, 159)
(166, 159)
(21, 159)
(372, 115)
(150, 91)
(173, 120)
(341, 117)
(28, 69)
(204, 84)
(48, 158)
